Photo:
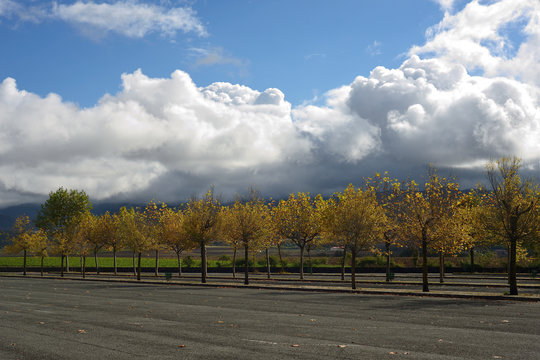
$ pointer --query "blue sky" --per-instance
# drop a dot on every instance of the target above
(135, 100)
(303, 47)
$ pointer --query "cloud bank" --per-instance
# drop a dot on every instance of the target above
(166, 138)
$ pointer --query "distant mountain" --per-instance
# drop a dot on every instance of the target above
(9, 214)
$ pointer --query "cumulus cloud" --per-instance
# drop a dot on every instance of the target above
(430, 110)
(166, 138)
(478, 38)
(129, 18)
(151, 128)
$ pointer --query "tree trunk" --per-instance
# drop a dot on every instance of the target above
(42, 264)
(353, 267)
(472, 259)
(80, 263)
(96, 261)
(156, 271)
(246, 264)
(179, 263)
(343, 263)
(280, 258)
(134, 264)
(508, 261)
(83, 266)
(415, 256)
(309, 259)
(267, 264)
(302, 263)
(62, 265)
(512, 276)
(203, 262)
(67, 263)
(387, 248)
(24, 263)
(114, 261)
(234, 263)
(441, 267)
(139, 267)
(425, 285)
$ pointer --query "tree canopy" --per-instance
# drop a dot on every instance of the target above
(61, 208)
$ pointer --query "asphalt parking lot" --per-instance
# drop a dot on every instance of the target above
(63, 319)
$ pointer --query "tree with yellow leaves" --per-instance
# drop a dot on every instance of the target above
(245, 222)
(423, 215)
(470, 210)
(389, 196)
(101, 232)
(269, 240)
(355, 216)
(299, 219)
(107, 228)
(273, 237)
(65, 242)
(133, 228)
(151, 216)
(453, 237)
(122, 233)
(41, 245)
(84, 239)
(512, 211)
(201, 223)
(24, 238)
(233, 241)
(174, 235)
(96, 231)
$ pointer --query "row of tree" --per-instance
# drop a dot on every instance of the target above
(377, 216)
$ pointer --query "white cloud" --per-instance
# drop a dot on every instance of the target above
(151, 128)
(15, 9)
(167, 138)
(429, 110)
(131, 18)
(7, 7)
(445, 5)
(335, 130)
(433, 109)
(476, 38)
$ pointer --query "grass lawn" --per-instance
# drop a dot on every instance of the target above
(75, 261)
(146, 261)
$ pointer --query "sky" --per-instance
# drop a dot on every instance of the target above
(135, 100)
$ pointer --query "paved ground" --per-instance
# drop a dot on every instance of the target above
(495, 284)
(60, 319)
